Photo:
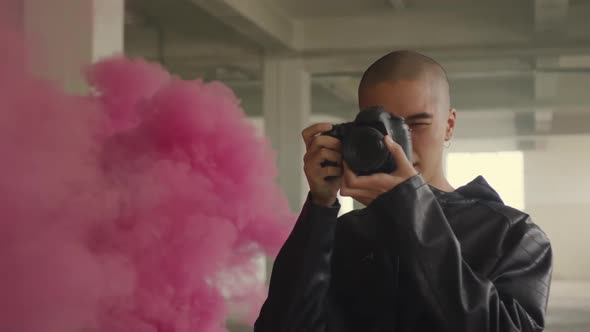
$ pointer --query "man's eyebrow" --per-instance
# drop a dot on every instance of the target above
(419, 116)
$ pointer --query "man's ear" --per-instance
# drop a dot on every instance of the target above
(451, 119)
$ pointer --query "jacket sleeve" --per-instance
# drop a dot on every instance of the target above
(299, 284)
(514, 299)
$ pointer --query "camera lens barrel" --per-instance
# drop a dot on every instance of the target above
(365, 152)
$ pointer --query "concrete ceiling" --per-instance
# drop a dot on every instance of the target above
(332, 8)
(303, 9)
(522, 57)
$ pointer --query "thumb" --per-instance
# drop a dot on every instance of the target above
(397, 152)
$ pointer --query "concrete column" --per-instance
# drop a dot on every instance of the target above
(287, 108)
(64, 36)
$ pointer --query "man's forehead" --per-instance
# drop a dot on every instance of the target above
(400, 90)
(409, 97)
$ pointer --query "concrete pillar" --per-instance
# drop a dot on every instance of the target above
(287, 108)
(64, 36)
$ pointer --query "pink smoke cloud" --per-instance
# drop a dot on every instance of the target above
(141, 207)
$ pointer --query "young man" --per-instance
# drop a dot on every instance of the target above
(422, 256)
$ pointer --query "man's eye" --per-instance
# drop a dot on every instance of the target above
(419, 124)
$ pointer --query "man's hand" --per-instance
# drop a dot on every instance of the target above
(324, 180)
(366, 189)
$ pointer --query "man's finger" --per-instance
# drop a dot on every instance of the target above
(331, 172)
(346, 190)
(310, 132)
(349, 177)
(373, 181)
(377, 181)
(327, 155)
(327, 142)
(321, 153)
(398, 153)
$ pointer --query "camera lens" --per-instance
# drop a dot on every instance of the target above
(364, 150)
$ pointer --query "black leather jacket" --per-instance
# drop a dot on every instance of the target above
(416, 259)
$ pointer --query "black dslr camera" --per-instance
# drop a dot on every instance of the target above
(363, 146)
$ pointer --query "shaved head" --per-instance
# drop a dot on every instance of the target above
(408, 66)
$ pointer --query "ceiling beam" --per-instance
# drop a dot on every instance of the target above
(456, 68)
(458, 60)
(523, 105)
(528, 48)
(357, 60)
(551, 17)
(550, 92)
(398, 4)
(259, 20)
(344, 88)
(513, 125)
(491, 25)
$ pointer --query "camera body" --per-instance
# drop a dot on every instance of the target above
(363, 146)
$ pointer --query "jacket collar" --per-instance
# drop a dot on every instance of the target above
(478, 188)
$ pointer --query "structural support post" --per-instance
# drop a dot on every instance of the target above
(287, 108)
(64, 36)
